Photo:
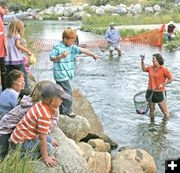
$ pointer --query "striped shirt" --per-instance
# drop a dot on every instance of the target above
(37, 120)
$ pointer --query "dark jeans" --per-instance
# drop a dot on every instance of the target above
(3, 72)
(4, 145)
(66, 106)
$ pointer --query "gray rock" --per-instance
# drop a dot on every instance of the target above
(75, 128)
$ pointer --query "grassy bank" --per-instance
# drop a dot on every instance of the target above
(14, 163)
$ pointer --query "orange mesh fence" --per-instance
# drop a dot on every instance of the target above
(153, 37)
(150, 38)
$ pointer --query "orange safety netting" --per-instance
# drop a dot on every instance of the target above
(153, 38)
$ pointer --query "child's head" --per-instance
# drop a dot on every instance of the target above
(16, 27)
(52, 94)
(46, 90)
(4, 6)
(69, 36)
(15, 80)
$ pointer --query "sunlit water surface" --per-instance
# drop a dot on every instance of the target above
(111, 83)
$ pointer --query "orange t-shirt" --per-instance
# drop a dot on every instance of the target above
(158, 77)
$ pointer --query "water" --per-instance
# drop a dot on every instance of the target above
(110, 85)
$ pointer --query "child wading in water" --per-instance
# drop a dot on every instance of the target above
(63, 56)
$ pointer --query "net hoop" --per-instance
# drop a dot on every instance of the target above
(142, 107)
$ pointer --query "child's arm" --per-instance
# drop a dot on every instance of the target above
(22, 48)
(49, 161)
(88, 52)
(61, 56)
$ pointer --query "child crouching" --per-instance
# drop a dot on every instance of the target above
(33, 129)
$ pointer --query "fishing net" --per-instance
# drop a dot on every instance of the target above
(141, 105)
(152, 38)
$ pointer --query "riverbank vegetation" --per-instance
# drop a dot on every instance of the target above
(98, 24)
(14, 163)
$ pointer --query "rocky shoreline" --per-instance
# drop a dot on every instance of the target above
(85, 148)
(78, 12)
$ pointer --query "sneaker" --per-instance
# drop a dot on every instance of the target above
(71, 114)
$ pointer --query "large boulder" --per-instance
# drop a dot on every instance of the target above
(82, 107)
(133, 160)
(68, 154)
(98, 162)
(75, 128)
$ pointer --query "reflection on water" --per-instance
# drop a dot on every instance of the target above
(110, 85)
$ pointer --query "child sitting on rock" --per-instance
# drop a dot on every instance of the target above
(32, 132)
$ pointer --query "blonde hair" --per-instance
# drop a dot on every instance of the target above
(69, 33)
(16, 27)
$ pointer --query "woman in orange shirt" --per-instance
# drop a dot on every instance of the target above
(159, 77)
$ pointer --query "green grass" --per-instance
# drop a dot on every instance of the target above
(14, 163)
(174, 44)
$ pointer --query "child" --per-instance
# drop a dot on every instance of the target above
(9, 97)
(11, 119)
(14, 58)
(32, 130)
(63, 55)
(3, 52)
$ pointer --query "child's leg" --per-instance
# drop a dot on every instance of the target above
(66, 106)
(33, 147)
(3, 73)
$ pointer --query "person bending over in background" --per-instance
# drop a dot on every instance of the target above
(170, 31)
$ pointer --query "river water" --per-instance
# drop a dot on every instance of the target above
(111, 83)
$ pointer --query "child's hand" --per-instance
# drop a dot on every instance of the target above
(50, 162)
(65, 54)
(29, 53)
(96, 57)
(55, 143)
